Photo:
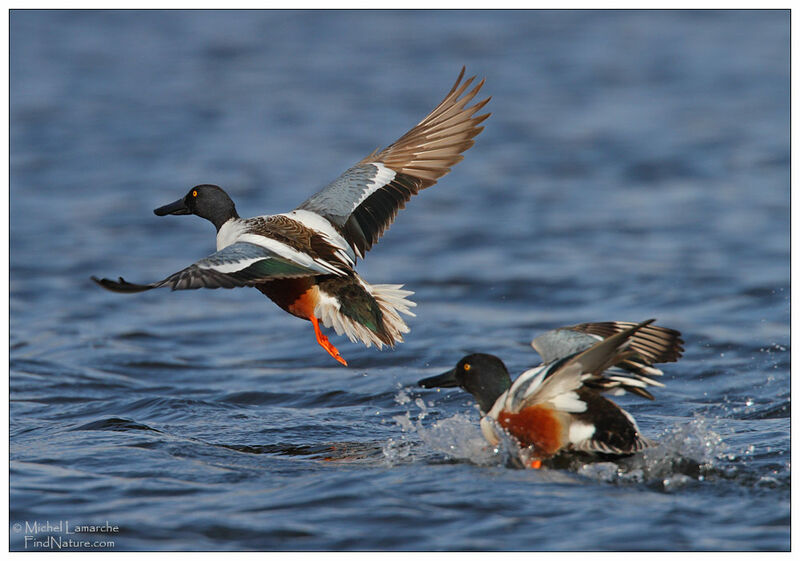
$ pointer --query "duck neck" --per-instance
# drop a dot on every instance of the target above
(490, 392)
(218, 219)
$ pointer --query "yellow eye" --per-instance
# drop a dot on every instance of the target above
(194, 193)
(467, 366)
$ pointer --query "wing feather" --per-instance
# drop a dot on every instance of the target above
(239, 264)
(364, 201)
(570, 373)
(650, 344)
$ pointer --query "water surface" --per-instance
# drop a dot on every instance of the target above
(636, 165)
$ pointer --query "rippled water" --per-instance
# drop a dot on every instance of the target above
(636, 165)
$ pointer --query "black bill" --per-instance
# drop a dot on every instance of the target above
(178, 207)
(446, 380)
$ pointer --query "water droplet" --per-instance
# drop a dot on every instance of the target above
(423, 409)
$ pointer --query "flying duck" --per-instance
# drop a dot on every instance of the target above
(304, 260)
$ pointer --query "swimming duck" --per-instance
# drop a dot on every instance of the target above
(304, 260)
(558, 405)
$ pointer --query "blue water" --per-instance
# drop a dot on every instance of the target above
(636, 165)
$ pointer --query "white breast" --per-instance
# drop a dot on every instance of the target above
(230, 232)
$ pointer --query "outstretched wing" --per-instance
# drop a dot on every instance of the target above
(558, 381)
(364, 200)
(651, 344)
(239, 264)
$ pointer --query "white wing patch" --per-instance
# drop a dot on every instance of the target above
(568, 402)
(319, 224)
(233, 266)
(290, 253)
(525, 386)
(383, 177)
(556, 389)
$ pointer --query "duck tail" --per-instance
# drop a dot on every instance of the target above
(393, 301)
(364, 312)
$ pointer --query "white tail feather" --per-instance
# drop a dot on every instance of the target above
(392, 302)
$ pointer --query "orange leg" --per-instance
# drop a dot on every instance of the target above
(323, 341)
(536, 464)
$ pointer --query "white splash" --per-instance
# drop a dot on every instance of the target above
(457, 438)
(684, 454)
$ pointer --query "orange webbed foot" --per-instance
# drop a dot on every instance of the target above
(536, 464)
(328, 346)
(325, 344)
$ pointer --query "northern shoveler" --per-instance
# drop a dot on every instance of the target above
(304, 260)
(557, 406)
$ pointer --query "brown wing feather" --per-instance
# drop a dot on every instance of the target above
(652, 343)
(435, 144)
(364, 201)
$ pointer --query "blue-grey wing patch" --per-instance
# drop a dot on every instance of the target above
(239, 264)
(363, 202)
(365, 199)
(650, 344)
(560, 343)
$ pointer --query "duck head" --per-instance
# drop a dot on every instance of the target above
(484, 376)
(206, 201)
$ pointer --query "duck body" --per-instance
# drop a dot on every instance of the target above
(560, 406)
(304, 260)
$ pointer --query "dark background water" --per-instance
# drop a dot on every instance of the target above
(636, 165)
